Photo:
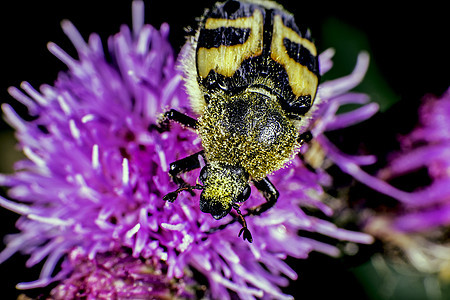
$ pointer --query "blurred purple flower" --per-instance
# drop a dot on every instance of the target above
(427, 146)
(419, 222)
(91, 188)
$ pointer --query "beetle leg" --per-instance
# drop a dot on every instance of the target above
(173, 195)
(182, 166)
(269, 192)
(174, 115)
(305, 137)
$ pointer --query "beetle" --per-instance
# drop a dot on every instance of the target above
(252, 77)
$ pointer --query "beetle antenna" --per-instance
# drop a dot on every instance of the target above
(173, 195)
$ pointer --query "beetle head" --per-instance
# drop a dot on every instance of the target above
(224, 185)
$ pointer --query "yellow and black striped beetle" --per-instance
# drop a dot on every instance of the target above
(252, 77)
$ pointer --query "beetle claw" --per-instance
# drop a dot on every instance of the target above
(247, 234)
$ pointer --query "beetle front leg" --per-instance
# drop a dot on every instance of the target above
(184, 165)
(174, 115)
(269, 192)
(180, 166)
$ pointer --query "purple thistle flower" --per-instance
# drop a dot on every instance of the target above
(90, 190)
(417, 225)
(118, 275)
(427, 146)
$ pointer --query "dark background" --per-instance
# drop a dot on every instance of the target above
(408, 45)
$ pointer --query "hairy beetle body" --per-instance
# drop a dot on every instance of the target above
(252, 76)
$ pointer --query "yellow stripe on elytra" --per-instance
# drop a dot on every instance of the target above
(302, 81)
(225, 60)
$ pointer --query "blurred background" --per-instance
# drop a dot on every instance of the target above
(409, 51)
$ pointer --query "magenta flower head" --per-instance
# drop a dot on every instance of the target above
(426, 147)
(90, 190)
(419, 221)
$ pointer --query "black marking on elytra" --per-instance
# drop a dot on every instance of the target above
(301, 55)
(222, 36)
(267, 32)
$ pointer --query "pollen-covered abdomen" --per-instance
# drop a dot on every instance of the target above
(249, 130)
(253, 120)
